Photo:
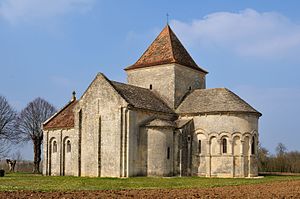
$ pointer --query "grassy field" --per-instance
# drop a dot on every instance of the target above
(23, 181)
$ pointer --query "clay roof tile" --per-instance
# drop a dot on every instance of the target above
(64, 118)
(166, 49)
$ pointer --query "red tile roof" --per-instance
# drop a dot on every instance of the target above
(165, 49)
(63, 118)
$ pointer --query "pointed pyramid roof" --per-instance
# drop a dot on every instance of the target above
(166, 49)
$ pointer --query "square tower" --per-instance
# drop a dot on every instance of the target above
(167, 69)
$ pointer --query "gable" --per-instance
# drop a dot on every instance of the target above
(102, 89)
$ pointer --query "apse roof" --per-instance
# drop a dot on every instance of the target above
(214, 100)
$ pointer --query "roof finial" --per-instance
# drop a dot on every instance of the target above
(73, 96)
(167, 18)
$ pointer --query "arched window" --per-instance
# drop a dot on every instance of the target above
(224, 144)
(253, 147)
(199, 146)
(54, 147)
(168, 153)
(150, 86)
(68, 146)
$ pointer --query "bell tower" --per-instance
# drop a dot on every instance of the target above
(167, 69)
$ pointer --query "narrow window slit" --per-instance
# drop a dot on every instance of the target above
(199, 146)
(224, 143)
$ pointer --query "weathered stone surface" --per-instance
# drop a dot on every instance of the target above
(171, 82)
(58, 160)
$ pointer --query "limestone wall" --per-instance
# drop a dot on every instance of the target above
(186, 80)
(238, 132)
(159, 152)
(60, 152)
(101, 126)
(160, 77)
(138, 141)
(170, 81)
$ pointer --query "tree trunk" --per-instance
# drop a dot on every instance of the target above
(37, 155)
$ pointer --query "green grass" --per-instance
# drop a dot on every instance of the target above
(23, 181)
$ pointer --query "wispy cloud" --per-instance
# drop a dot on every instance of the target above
(246, 33)
(16, 11)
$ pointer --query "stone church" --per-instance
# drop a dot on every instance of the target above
(162, 122)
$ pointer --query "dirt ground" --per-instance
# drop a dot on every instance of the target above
(287, 189)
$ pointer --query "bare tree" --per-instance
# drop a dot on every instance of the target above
(7, 125)
(281, 160)
(281, 149)
(263, 155)
(4, 149)
(17, 156)
(30, 122)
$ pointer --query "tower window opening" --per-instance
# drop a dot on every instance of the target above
(150, 86)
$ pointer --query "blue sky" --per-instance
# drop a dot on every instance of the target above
(50, 48)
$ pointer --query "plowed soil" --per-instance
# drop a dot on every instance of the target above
(286, 189)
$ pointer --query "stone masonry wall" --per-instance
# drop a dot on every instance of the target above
(160, 151)
(60, 161)
(238, 130)
(187, 80)
(160, 77)
(101, 108)
(170, 81)
(138, 145)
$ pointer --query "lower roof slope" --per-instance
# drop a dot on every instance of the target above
(157, 122)
(214, 100)
(64, 118)
(141, 97)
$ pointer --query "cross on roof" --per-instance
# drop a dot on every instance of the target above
(168, 18)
